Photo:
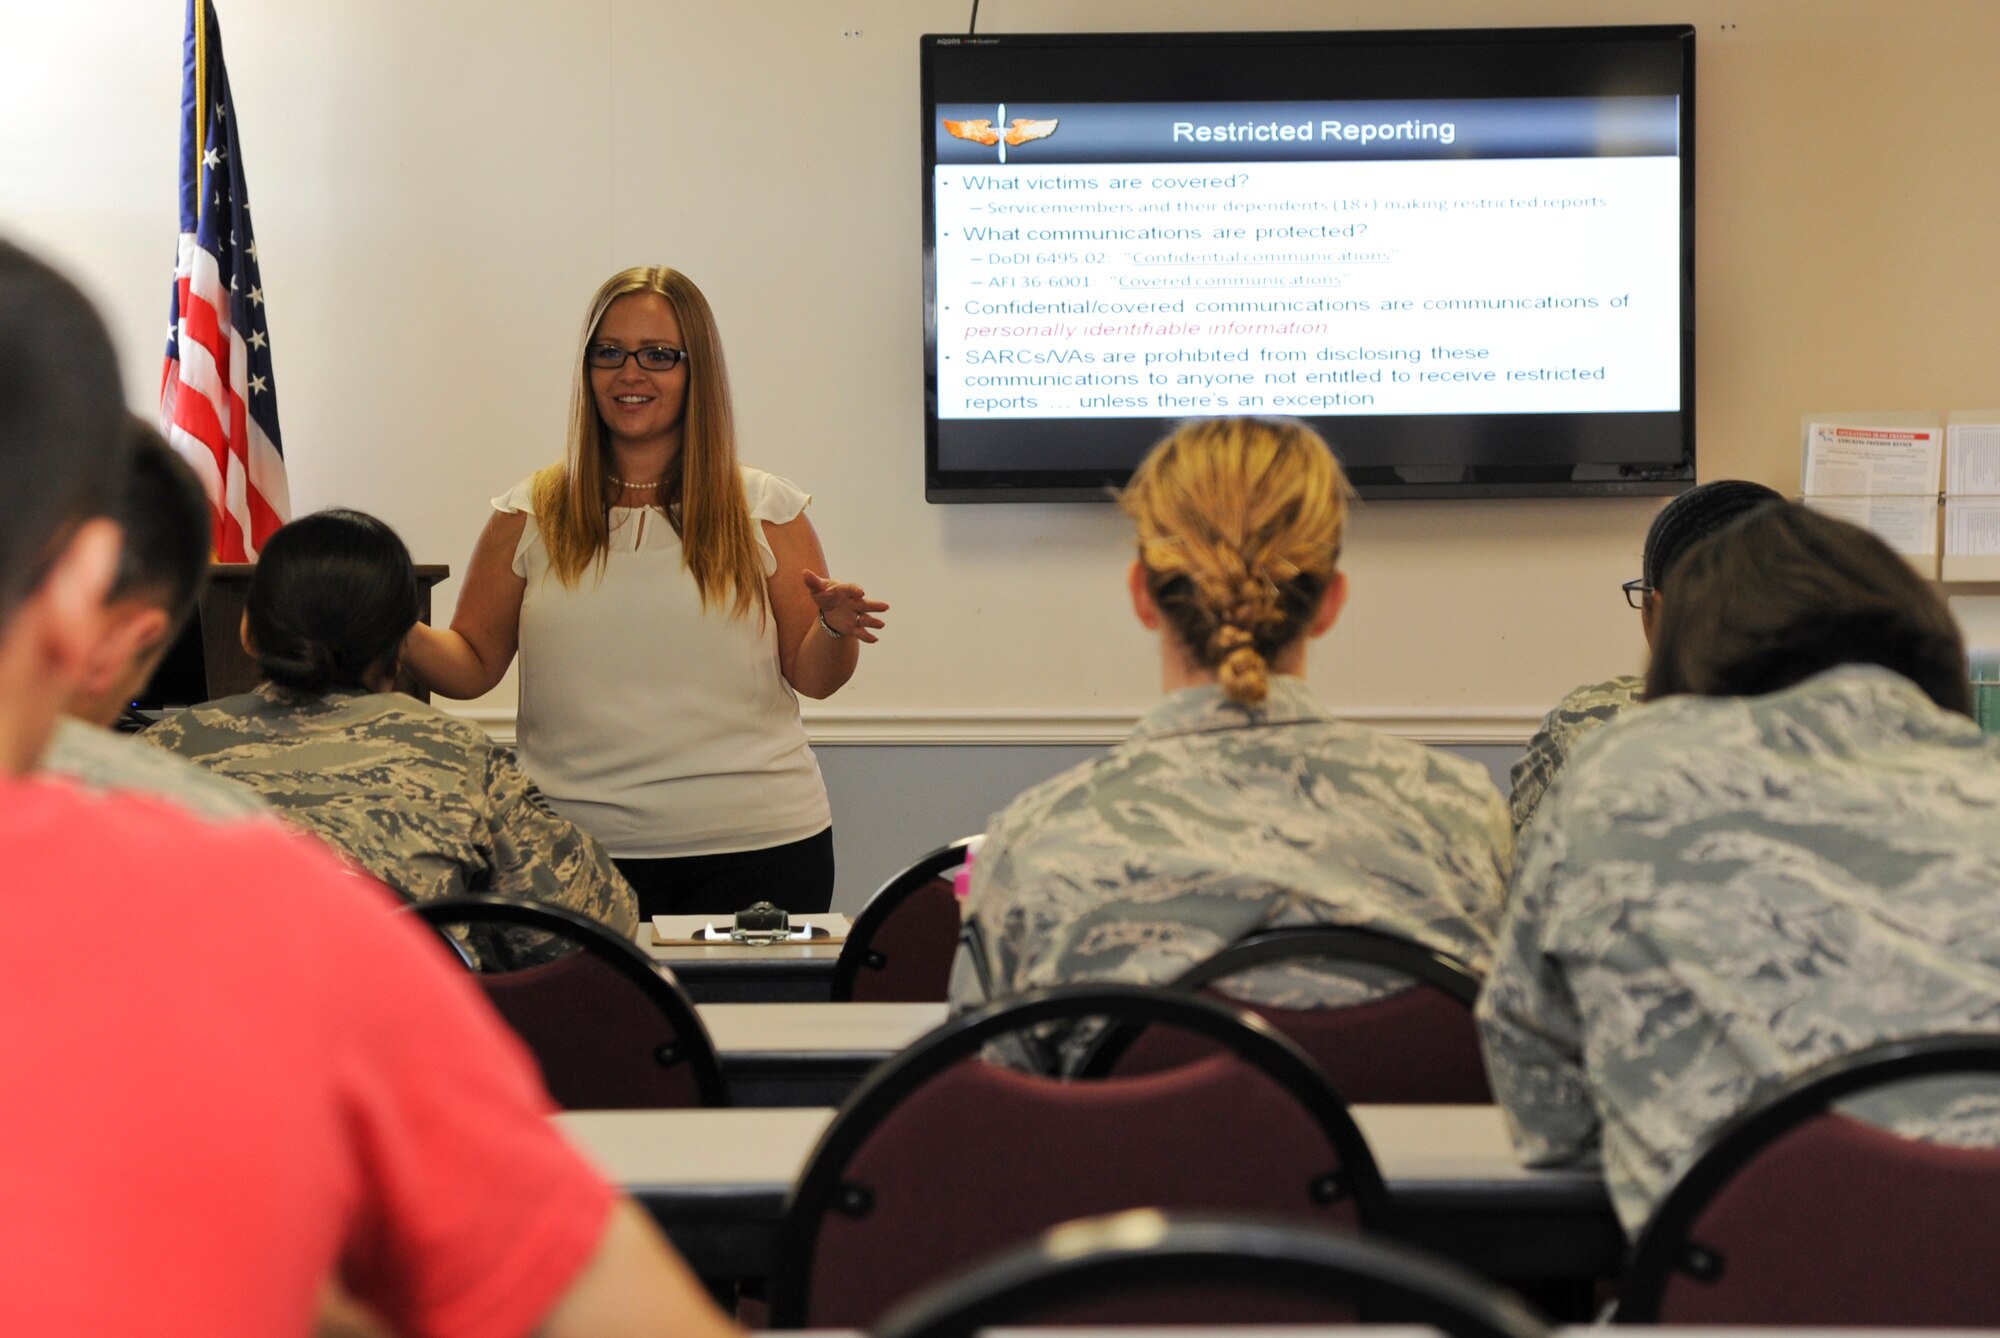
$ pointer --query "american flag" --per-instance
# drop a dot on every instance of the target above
(218, 405)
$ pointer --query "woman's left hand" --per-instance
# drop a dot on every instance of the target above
(845, 607)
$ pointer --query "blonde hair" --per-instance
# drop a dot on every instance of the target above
(703, 496)
(1239, 532)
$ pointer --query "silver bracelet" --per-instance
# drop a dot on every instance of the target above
(828, 627)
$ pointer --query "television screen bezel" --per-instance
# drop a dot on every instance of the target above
(1632, 478)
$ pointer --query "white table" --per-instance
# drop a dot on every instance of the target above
(716, 1180)
(809, 1054)
(741, 973)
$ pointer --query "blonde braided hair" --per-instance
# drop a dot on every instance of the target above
(1240, 522)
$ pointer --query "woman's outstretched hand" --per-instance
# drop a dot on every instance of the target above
(844, 607)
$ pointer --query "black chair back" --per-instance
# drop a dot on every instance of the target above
(1133, 1266)
(900, 948)
(608, 1027)
(1418, 1046)
(1793, 1213)
(939, 1158)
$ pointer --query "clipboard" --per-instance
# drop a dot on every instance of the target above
(714, 933)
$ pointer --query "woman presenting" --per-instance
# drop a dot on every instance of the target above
(668, 605)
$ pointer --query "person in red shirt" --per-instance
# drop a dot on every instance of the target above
(236, 1082)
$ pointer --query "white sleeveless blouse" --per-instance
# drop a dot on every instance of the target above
(660, 727)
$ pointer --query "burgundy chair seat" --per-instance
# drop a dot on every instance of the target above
(900, 947)
(1415, 1047)
(599, 1041)
(1796, 1214)
(1840, 1223)
(908, 958)
(942, 1158)
(607, 1028)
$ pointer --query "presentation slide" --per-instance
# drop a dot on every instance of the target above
(1140, 260)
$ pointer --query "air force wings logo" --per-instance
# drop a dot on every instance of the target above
(982, 131)
(979, 132)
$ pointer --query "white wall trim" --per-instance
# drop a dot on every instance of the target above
(834, 726)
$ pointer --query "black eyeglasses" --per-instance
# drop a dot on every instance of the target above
(654, 357)
(1636, 592)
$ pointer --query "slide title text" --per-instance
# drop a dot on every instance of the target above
(1362, 132)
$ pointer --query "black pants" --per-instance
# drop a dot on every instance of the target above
(797, 876)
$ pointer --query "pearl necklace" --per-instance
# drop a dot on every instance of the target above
(635, 487)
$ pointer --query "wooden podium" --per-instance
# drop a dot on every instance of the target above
(217, 629)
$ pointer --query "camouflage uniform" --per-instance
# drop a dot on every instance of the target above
(1214, 820)
(421, 799)
(1724, 892)
(100, 759)
(1574, 717)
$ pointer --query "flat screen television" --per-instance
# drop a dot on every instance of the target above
(1466, 257)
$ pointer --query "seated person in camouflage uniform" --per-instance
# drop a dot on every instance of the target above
(1239, 803)
(423, 800)
(1694, 515)
(163, 516)
(1789, 855)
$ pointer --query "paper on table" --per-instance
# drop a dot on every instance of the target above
(799, 935)
(1850, 461)
(1906, 524)
(1972, 461)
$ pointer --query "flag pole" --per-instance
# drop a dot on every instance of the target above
(198, 14)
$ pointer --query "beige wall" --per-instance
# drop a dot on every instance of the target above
(438, 187)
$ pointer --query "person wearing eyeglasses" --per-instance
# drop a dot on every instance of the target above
(1789, 855)
(669, 606)
(1690, 517)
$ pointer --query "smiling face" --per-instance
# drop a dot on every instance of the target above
(640, 408)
